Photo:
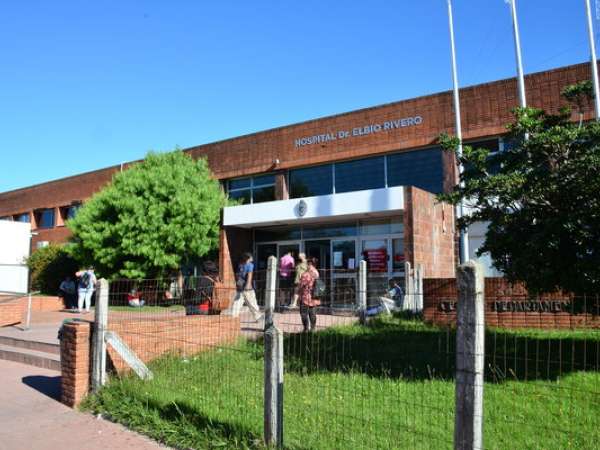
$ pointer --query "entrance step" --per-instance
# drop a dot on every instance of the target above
(30, 345)
(30, 357)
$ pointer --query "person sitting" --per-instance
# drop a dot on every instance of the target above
(394, 298)
(134, 300)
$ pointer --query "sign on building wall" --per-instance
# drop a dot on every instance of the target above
(386, 126)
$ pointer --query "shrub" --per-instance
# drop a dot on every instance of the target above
(48, 266)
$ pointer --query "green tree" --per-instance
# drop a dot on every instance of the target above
(150, 219)
(48, 266)
(541, 197)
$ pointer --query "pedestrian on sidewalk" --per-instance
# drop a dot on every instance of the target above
(86, 285)
(286, 277)
(67, 290)
(245, 293)
(308, 302)
(301, 267)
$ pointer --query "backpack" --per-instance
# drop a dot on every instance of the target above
(85, 279)
(319, 288)
(240, 279)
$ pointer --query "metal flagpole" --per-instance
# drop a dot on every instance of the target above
(464, 236)
(588, 10)
(520, 78)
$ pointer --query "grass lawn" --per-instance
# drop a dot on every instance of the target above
(389, 385)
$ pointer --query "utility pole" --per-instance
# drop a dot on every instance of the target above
(588, 11)
(464, 235)
(520, 77)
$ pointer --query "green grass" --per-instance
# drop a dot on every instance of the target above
(148, 309)
(389, 385)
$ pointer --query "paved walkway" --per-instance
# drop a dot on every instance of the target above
(32, 418)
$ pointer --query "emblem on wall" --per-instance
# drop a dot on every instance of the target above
(302, 208)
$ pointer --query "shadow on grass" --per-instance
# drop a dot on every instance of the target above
(410, 349)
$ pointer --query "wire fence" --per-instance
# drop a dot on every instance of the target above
(376, 374)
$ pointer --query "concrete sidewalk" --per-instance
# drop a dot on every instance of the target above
(32, 418)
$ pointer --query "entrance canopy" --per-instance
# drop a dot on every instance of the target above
(334, 206)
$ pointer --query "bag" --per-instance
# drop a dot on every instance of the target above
(240, 280)
(85, 279)
(319, 288)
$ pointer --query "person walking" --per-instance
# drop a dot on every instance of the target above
(286, 274)
(301, 267)
(305, 292)
(245, 288)
(86, 285)
(67, 290)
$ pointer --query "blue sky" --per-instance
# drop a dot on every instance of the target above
(84, 85)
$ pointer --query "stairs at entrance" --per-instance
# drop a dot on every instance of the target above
(33, 353)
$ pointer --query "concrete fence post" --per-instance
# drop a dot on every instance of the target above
(362, 291)
(273, 407)
(408, 288)
(470, 356)
(98, 340)
(419, 288)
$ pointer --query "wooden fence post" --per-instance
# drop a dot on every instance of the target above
(98, 340)
(273, 407)
(470, 356)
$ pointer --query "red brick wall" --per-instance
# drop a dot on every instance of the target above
(429, 233)
(75, 362)
(13, 312)
(439, 296)
(182, 335)
(233, 242)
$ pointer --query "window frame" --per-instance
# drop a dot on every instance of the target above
(252, 186)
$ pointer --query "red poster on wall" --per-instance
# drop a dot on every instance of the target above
(376, 259)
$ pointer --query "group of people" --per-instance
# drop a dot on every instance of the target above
(298, 278)
(77, 292)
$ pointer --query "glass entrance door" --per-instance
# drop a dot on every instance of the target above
(375, 252)
(343, 273)
(320, 249)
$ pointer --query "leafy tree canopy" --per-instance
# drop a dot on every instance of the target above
(153, 217)
(48, 266)
(541, 197)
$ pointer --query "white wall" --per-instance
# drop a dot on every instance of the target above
(343, 205)
(477, 232)
(14, 249)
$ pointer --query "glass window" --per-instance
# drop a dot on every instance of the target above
(396, 225)
(263, 194)
(242, 196)
(374, 252)
(240, 183)
(377, 226)
(252, 189)
(311, 181)
(420, 168)
(6, 218)
(344, 256)
(360, 174)
(277, 234)
(397, 255)
(324, 231)
(45, 218)
(24, 217)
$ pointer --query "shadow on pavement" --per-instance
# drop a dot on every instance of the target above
(49, 386)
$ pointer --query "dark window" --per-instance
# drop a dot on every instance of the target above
(277, 234)
(323, 231)
(24, 217)
(311, 181)
(420, 168)
(360, 174)
(6, 218)
(252, 189)
(68, 212)
(45, 218)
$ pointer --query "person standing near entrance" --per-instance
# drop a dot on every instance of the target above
(307, 301)
(286, 276)
(86, 284)
(244, 283)
(301, 267)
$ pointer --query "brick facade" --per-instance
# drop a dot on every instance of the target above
(429, 233)
(13, 312)
(75, 362)
(506, 306)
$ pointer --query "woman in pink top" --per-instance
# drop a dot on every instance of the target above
(305, 293)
